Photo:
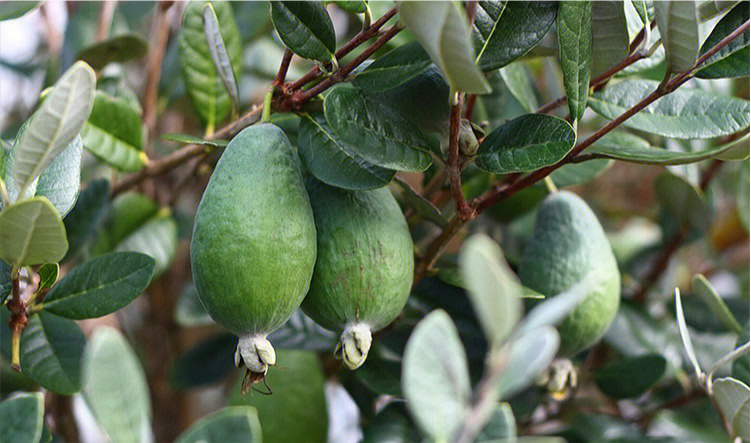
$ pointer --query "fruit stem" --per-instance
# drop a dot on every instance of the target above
(552, 188)
(266, 113)
(354, 345)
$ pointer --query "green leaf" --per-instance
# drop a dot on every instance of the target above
(527, 357)
(574, 27)
(301, 332)
(333, 161)
(435, 377)
(609, 35)
(22, 416)
(501, 426)
(679, 30)
(13, 9)
(712, 8)
(526, 143)
(31, 232)
(704, 290)
(128, 212)
(393, 69)
(391, 424)
(380, 135)
(189, 312)
(57, 122)
(61, 181)
(740, 369)
(732, 60)
(100, 286)
(493, 288)
(202, 82)
(688, 347)
(422, 206)
(51, 349)
(354, 6)
(116, 390)
(517, 80)
(645, 9)
(191, 139)
(119, 49)
(6, 283)
(630, 377)
(305, 28)
(579, 173)
(442, 29)
(219, 54)
(742, 199)
(624, 146)
(730, 395)
(207, 363)
(741, 421)
(86, 215)
(682, 201)
(235, 423)
(114, 133)
(156, 238)
(48, 274)
(686, 113)
(506, 30)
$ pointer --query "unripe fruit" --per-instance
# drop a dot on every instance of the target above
(567, 246)
(363, 273)
(254, 242)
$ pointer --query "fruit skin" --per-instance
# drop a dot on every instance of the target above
(364, 270)
(568, 245)
(254, 241)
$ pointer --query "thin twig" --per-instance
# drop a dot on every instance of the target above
(104, 21)
(283, 67)
(454, 167)
(160, 31)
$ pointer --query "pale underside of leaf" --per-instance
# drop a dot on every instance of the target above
(609, 35)
(679, 29)
(219, 55)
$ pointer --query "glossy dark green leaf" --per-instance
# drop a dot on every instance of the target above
(682, 201)
(51, 349)
(31, 233)
(22, 417)
(61, 181)
(355, 6)
(711, 8)
(504, 31)
(119, 49)
(631, 148)
(526, 143)
(686, 113)
(100, 286)
(393, 69)
(630, 377)
(202, 82)
(6, 283)
(732, 60)
(116, 390)
(48, 274)
(442, 29)
(235, 423)
(86, 215)
(300, 332)
(335, 162)
(191, 139)
(380, 134)
(157, 238)
(305, 28)
(189, 312)
(435, 376)
(14, 9)
(422, 206)
(574, 25)
(128, 212)
(219, 54)
(519, 84)
(609, 35)
(678, 24)
(114, 133)
(207, 363)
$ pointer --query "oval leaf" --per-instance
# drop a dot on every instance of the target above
(630, 377)
(526, 143)
(31, 232)
(100, 286)
(686, 113)
(234, 423)
(156, 238)
(609, 35)
(118, 49)
(114, 133)
(203, 83)
(682, 201)
(741, 421)
(51, 349)
(21, 416)
(393, 69)
(527, 357)
(48, 274)
(704, 290)
(61, 181)
(517, 80)
(218, 51)
(305, 28)
(679, 29)
(435, 377)
(732, 60)
(730, 395)
(116, 390)
(59, 119)
(380, 134)
(335, 162)
(442, 29)
(86, 215)
(206, 363)
(575, 49)
(506, 30)
(301, 332)
(423, 207)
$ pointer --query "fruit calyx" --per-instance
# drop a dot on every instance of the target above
(354, 345)
(257, 354)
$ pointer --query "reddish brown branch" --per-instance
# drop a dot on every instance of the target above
(283, 68)
(160, 31)
(453, 168)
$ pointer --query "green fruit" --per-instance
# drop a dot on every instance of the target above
(254, 242)
(568, 245)
(363, 272)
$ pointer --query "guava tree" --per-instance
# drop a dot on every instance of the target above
(445, 221)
